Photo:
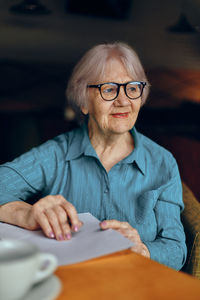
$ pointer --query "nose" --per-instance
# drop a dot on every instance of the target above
(122, 99)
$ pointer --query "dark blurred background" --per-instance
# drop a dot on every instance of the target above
(40, 41)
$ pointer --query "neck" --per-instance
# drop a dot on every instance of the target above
(111, 148)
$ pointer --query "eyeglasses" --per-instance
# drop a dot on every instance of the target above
(110, 90)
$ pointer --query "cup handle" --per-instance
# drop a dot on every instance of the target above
(47, 265)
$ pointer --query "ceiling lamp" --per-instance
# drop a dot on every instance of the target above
(182, 26)
(29, 7)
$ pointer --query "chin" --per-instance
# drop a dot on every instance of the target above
(121, 129)
(123, 126)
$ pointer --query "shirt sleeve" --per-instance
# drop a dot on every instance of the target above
(169, 247)
(27, 176)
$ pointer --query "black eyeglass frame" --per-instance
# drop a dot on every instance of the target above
(142, 84)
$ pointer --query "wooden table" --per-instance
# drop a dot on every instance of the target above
(125, 275)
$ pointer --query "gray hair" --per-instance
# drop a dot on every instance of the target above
(90, 70)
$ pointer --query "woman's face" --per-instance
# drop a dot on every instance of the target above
(117, 116)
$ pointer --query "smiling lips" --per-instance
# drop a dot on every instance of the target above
(120, 115)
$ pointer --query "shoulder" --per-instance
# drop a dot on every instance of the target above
(47, 154)
(57, 146)
(152, 149)
(60, 144)
(158, 161)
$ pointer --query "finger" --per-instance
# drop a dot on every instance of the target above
(108, 224)
(71, 213)
(128, 232)
(42, 220)
(54, 222)
(114, 224)
(63, 221)
(72, 216)
(124, 232)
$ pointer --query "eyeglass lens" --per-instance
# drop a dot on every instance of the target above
(109, 91)
(133, 90)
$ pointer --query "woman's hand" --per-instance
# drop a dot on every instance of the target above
(129, 232)
(55, 216)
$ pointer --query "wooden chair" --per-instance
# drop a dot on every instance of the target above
(191, 222)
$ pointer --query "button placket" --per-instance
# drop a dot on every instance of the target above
(106, 184)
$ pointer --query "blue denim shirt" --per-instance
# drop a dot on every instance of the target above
(144, 189)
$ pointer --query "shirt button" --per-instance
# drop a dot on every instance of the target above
(106, 190)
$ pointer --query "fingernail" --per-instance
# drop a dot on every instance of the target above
(60, 237)
(103, 223)
(51, 235)
(75, 228)
(68, 236)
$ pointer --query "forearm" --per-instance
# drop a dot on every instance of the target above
(18, 213)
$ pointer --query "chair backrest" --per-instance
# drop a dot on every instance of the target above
(191, 222)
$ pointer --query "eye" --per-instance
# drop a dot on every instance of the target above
(109, 90)
(132, 88)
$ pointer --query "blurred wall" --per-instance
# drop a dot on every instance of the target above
(38, 52)
(62, 37)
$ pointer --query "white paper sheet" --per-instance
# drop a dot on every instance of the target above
(89, 242)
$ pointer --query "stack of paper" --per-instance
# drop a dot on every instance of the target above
(89, 242)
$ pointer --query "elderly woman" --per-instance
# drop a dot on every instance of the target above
(105, 167)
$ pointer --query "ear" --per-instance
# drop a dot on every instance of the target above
(84, 110)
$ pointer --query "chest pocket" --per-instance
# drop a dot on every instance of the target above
(144, 207)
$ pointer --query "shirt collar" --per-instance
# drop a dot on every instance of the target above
(79, 144)
(137, 155)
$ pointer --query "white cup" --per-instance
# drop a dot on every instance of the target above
(21, 266)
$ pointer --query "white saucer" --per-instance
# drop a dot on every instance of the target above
(45, 290)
